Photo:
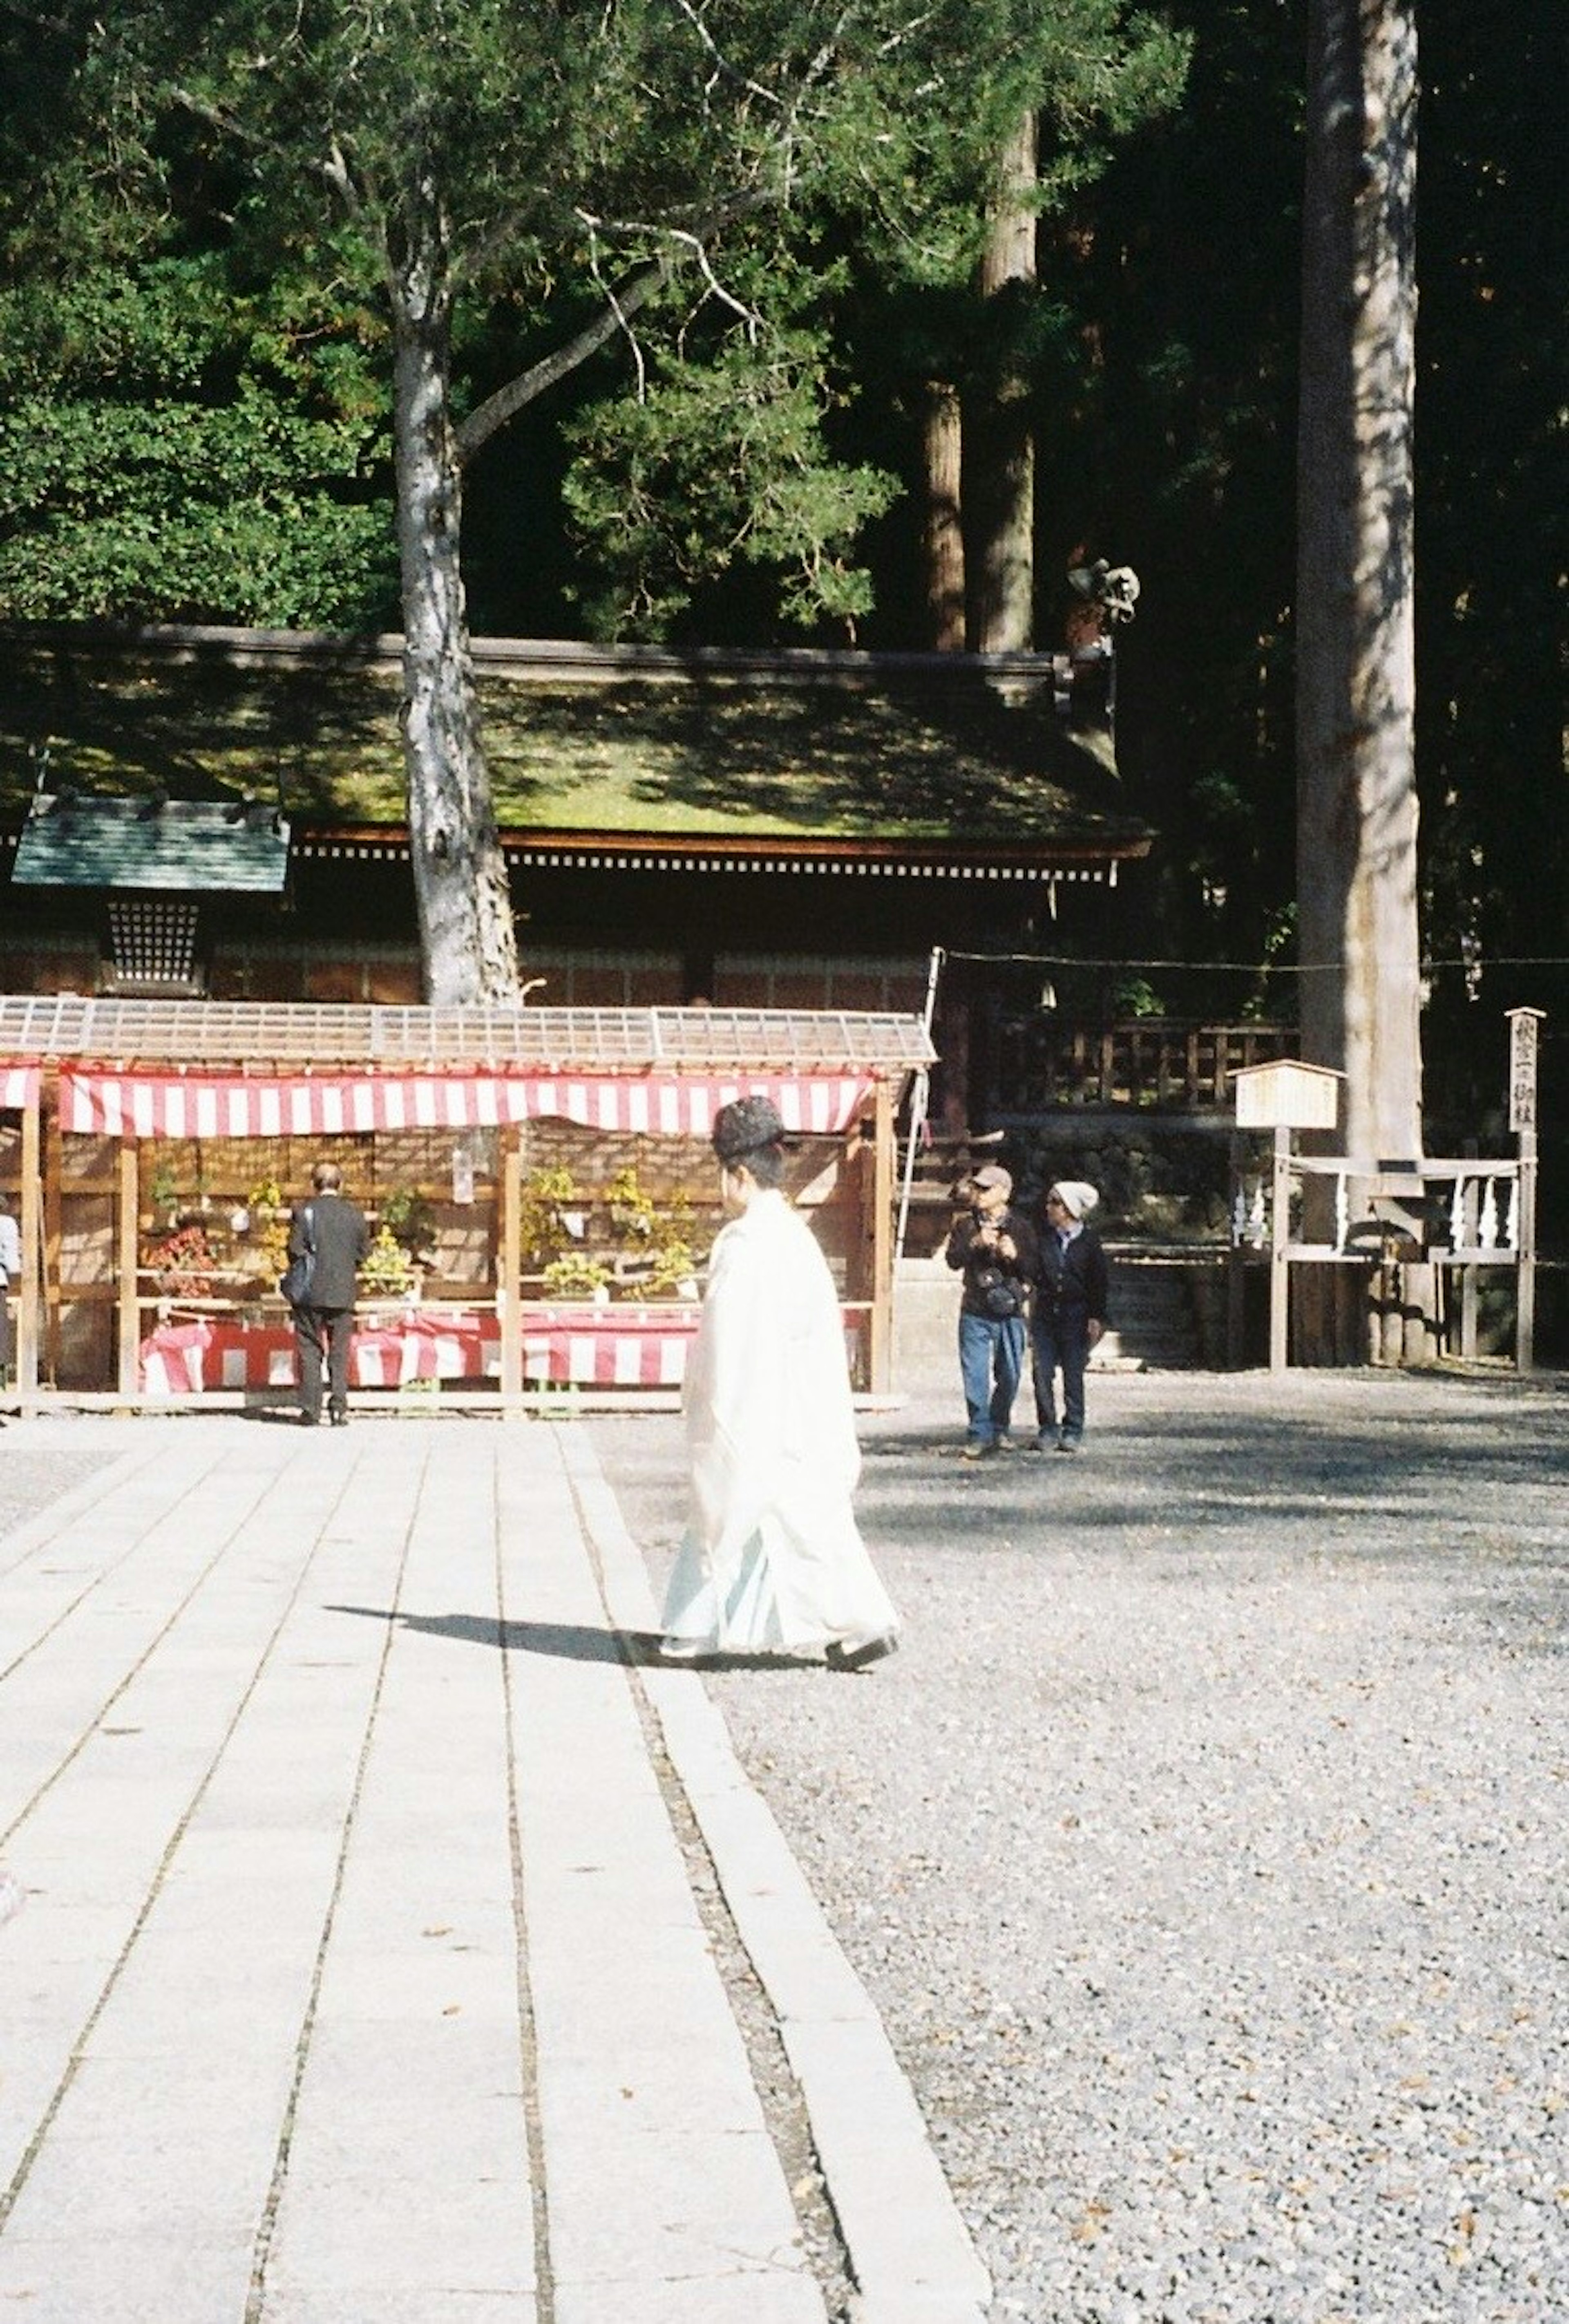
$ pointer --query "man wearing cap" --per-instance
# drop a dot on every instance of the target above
(1068, 1312)
(772, 1560)
(995, 1246)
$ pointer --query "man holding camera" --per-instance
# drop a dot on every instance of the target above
(997, 1249)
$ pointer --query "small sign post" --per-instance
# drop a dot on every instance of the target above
(1281, 1097)
(1523, 1031)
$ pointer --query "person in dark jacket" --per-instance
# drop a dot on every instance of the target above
(995, 1246)
(1068, 1311)
(335, 1231)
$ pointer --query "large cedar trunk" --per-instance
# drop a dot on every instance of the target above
(941, 441)
(460, 874)
(1356, 774)
(999, 451)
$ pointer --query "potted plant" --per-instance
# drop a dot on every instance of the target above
(163, 1190)
(387, 1271)
(264, 1232)
(655, 1260)
(408, 1218)
(577, 1275)
(547, 1195)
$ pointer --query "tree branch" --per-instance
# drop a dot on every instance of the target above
(487, 418)
(686, 245)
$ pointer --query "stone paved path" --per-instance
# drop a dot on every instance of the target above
(359, 1974)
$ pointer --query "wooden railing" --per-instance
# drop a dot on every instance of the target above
(1162, 1064)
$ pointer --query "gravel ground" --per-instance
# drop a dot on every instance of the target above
(1203, 1847)
(31, 1480)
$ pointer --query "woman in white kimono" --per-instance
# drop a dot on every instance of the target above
(772, 1558)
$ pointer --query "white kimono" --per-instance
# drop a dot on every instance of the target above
(772, 1557)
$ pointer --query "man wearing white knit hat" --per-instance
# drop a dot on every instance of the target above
(1067, 1312)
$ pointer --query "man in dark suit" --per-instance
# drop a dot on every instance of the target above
(335, 1231)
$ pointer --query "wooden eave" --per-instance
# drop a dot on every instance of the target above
(623, 850)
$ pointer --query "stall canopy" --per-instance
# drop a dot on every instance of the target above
(204, 1106)
(261, 1069)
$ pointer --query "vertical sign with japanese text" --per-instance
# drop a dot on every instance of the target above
(1523, 1024)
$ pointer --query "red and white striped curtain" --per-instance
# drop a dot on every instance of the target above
(18, 1088)
(195, 1105)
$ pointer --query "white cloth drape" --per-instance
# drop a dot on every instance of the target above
(772, 1557)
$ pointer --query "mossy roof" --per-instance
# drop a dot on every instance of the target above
(711, 749)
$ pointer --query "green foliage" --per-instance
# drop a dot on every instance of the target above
(484, 160)
(409, 1219)
(545, 1195)
(1135, 996)
(176, 449)
(721, 459)
(575, 1275)
(656, 1246)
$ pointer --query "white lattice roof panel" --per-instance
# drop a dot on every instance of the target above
(266, 1034)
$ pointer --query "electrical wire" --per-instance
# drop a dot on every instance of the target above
(1475, 966)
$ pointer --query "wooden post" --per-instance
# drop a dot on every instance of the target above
(1525, 1258)
(31, 1223)
(879, 1356)
(1279, 1231)
(52, 1238)
(128, 1204)
(510, 1265)
(1235, 1279)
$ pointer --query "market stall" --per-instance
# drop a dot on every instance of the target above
(174, 1134)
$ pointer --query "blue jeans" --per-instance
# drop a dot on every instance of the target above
(1059, 1343)
(991, 1363)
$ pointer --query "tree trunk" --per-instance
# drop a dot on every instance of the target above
(1356, 819)
(941, 440)
(999, 444)
(460, 874)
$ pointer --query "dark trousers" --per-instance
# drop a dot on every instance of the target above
(323, 1333)
(1059, 1343)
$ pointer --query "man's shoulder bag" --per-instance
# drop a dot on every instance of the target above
(295, 1280)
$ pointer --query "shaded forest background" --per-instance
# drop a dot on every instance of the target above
(1161, 367)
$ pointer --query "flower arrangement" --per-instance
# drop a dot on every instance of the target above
(548, 1195)
(652, 1257)
(409, 1219)
(655, 1258)
(266, 1230)
(387, 1271)
(182, 1263)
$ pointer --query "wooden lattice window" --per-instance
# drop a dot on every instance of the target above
(152, 944)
